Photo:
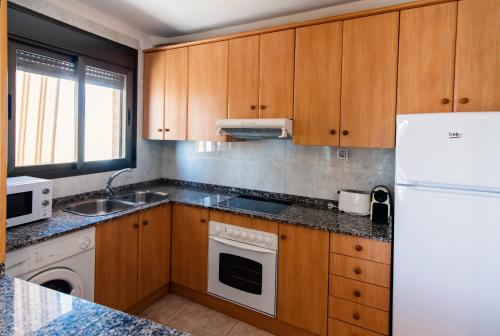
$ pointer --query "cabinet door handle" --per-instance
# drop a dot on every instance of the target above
(136, 225)
(263, 107)
(358, 248)
(345, 132)
(333, 132)
(356, 316)
(167, 129)
(145, 222)
(357, 270)
(445, 101)
(253, 107)
(464, 100)
(160, 129)
(283, 237)
(356, 293)
(203, 220)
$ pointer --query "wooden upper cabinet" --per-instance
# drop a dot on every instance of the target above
(276, 74)
(176, 86)
(154, 95)
(303, 259)
(477, 71)
(116, 262)
(207, 90)
(243, 91)
(318, 73)
(154, 250)
(190, 247)
(427, 58)
(369, 75)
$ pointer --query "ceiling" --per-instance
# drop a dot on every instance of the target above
(172, 18)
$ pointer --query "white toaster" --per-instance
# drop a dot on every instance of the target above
(355, 202)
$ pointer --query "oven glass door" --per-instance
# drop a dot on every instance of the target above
(20, 207)
(243, 274)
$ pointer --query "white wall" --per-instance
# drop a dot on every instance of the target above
(352, 7)
(148, 152)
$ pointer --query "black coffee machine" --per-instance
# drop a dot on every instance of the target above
(381, 205)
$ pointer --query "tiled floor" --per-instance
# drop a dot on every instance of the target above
(180, 313)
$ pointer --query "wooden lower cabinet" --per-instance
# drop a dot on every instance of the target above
(132, 258)
(190, 247)
(303, 278)
(339, 328)
(359, 288)
(154, 250)
(360, 315)
(116, 264)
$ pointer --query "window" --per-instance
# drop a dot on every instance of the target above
(69, 114)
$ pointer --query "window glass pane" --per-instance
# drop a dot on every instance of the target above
(46, 113)
(105, 114)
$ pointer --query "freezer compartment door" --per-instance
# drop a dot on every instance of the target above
(461, 150)
(446, 263)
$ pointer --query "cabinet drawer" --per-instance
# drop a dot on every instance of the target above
(339, 328)
(361, 248)
(360, 292)
(359, 269)
(362, 316)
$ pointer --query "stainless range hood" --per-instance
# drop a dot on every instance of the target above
(249, 129)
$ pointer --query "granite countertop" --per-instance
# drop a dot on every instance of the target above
(29, 309)
(309, 215)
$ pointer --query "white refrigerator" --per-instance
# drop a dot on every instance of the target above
(446, 269)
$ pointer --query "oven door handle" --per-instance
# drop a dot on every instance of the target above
(242, 245)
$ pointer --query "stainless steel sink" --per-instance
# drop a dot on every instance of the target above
(99, 207)
(143, 197)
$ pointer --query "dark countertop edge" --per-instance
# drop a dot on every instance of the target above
(104, 219)
(92, 221)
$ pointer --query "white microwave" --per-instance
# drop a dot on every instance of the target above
(28, 199)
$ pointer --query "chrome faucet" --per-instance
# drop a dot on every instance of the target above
(109, 190)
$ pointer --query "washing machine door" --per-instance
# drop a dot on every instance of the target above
(60, 279)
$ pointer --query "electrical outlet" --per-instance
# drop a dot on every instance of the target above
(343, 153)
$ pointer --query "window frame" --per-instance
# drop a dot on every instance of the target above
(80, 167)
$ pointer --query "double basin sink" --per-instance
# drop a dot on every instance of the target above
(101, 207)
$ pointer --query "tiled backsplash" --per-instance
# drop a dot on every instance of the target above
(278, 166)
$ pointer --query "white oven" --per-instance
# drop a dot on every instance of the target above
(242, 266)
(28, 199)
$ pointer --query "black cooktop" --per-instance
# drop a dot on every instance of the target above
(256, 204)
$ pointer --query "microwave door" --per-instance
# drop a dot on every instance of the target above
(21, 207)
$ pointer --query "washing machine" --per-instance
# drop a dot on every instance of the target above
(65, 264)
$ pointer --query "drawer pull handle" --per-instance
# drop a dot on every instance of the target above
(356, 293)
(445, 101)
(345, 132)
(464, 100)
(136, 225)
(203, 220)
(356, 316)
(358, 248)
(145, 222)
(357, 270)
(333, 132)
(283, 236)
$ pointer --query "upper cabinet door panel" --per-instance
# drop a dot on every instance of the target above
(207, 90)
(369, 75)
(318, 73)
(477, 74)
(154, 88)
(276, 74)
(243, 91)
(427, 59)
(176, 86)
